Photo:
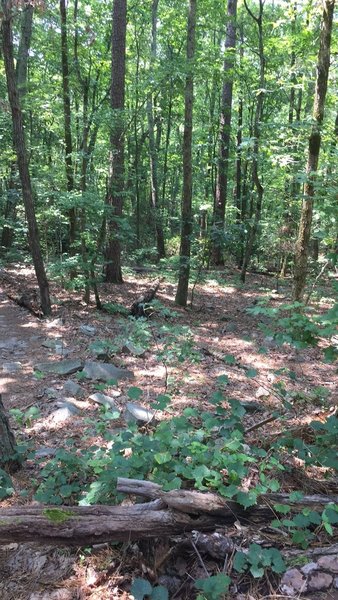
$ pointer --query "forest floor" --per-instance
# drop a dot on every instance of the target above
(220, 326)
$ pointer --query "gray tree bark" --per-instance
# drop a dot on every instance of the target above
(116, 168)
(21, 151)
(186, 224)
(304, 230)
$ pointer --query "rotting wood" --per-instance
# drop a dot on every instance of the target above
(139, 308)
(168, 513)
(83, 525)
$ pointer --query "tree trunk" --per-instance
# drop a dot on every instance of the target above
(21, 151)
(224, 134)
(8, 451)
(154, 186)
(21, 80)
(24, 46)
(253, 228)
(116, 167)
(186, 225)
(67, 120)
(304, 231)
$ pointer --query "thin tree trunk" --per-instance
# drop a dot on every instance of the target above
(116, 170)
(67, 119)
(24, 46)
(21, 151)
(153, 154)
(256, 134)
(186, 226)
(304, 231)
(224, 134)
(21, 79)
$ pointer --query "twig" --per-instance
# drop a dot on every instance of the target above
(200, 558)
(263, 422)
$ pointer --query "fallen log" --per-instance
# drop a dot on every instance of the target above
(83, 525)
(168, 513)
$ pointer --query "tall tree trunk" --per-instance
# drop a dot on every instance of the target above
(154, 186)
(304, 231)
(67, 120)
(256, 135)
(116, 168)
(224, 134)
(24, 46)
(21, 79)
(20, 148)
(186, 225)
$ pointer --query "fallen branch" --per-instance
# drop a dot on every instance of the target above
(168, 513)
(139, 307)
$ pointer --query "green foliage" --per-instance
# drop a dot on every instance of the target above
(296, 327)
(114, 308)
(322, 451)
(300, 526)
(213, 588)
(25, 418)
(257, 560)
(6, 485)
(141, 588)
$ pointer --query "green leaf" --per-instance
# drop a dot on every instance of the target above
(135, 393)
(159, 593)
(161, 402)
(328, 528)
(214, 587)
(240, 562)
(140, 588)
(230, 359)
(251, 373)
(247, 499)
(256, 571)
(162, 457)
(282, 508)
(223, 380)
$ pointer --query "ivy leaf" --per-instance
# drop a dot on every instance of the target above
(134, 393)
(282, 508)
(159, 593)
(230, 359)
(162, 457)
(256, 571)
(140, 588)
(240, 562)
(247, 499)
(251, 373)
(214, 587)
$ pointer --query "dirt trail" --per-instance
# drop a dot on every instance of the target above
(20, 347)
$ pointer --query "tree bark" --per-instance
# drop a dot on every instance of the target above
(186, 224)
(21, 151)
(24, 46)
(253, 229)
(168, 513)
(304, 230)
(154, 185)
(67, 119)
(8, 451)
(116, 168)
(224, 133)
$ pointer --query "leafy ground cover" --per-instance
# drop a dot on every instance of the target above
(235, 383)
